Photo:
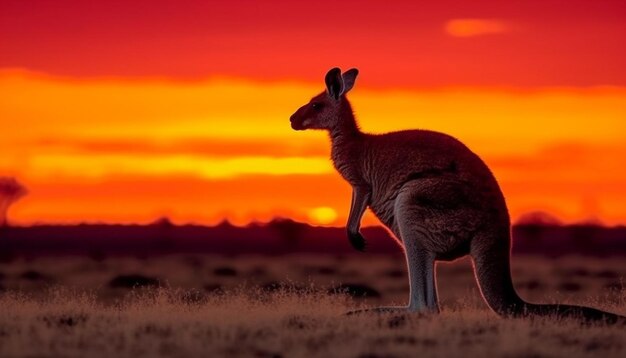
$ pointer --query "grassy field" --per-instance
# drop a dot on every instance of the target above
(290, 306)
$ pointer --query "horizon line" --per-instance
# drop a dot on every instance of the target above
(164, 220)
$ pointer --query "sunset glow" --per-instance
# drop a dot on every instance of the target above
(323, 215)
(475, 27)
(104, 139)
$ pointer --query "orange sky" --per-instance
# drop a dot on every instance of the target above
(123, 113)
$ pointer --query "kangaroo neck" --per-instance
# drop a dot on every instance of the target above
(346, 132)
(345, 137)
(347, 149)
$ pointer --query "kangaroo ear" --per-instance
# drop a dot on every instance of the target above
(334, 83)
(349, 77)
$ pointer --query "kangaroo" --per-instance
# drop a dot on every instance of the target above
(436, 196)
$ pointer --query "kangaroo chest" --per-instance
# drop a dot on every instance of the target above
(355, 167)
(347, 160)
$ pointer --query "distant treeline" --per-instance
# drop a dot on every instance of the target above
(275, 238)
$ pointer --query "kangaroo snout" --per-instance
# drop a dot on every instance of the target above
(296, 121)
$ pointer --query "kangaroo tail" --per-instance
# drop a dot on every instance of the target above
(492, 269)
(586, 314)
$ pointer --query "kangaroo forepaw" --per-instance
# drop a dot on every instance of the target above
(357, 240)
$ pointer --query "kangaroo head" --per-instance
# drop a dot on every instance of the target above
(325, 110)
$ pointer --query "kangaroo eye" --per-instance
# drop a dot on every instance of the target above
(317, 106)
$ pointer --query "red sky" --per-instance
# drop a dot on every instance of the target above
(395, 43)
(123, 111)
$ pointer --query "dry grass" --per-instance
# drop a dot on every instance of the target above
(187, 318)
(166, 322)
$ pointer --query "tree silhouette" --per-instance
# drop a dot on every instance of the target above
(10, 191)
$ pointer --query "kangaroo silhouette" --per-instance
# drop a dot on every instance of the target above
(438, 198)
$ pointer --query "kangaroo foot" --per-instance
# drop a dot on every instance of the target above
(389, 309)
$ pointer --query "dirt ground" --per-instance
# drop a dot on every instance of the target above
(291, 306)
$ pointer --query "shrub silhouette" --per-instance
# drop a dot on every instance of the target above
(355, 290)
(131, 281)
(224, 271)
(32, 275)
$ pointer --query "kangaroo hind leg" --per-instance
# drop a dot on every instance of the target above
(423, 291)
(421, 267)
